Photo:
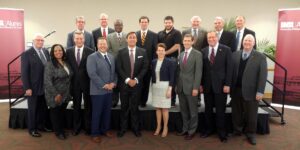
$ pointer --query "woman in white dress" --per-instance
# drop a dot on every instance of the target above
(163, 73)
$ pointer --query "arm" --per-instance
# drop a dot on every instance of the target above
(48, 78)
(91, 67)
(262, 76)
(173, 49)
(229, 68)
(119, 68)
(70, 40)
(25, 71)
(172, 73)
(198, 72)
(144, 69)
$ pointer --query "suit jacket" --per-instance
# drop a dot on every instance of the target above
(246, 31)
(57, 81)
(32, 71)
(228, 39)
(80, 79)
(114, 44)
(219, 74)
(124, 69)
(201, 40)
(149, 45)
(167, 71)
(88, 40)
(189, 75)
(97, 33)
(100, 72)
(255, 74)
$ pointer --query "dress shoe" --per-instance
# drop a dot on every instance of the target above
(181, 133)
(251, 139)
(109, 134)
(189, 137)
(45, 129)
(143, 105)
(75, 133)
(137, 133)
(121, 134)
(35, 134)
(204, 135)
(87, 133)
(61, 136)
(96, 139)
(223, 139)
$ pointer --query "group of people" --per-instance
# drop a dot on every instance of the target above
(107, 65)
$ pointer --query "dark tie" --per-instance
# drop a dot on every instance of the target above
(212, 56)
(143, 38)
(119, 37)
(244, 56)
(237, 40)
(107, 61)
(104, 33)
(185, 57)
(78, 57)
(131, 63)
(44, 61)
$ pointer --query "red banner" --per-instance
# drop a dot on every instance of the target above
(288, 55)
(11, 45)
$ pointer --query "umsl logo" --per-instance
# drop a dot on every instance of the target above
(289, 25)
(9, 24)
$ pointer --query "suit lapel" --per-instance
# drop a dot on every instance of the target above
(250, 60)
(36, 56)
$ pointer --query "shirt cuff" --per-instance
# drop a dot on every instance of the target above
(137, 81)
(259, 94)
(126, 80)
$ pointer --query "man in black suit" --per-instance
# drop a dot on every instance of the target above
(77, 57)
(240, 32)
(217, 73)
(225, 37)
(132, 65)
(33, 62)
(147, 40)
(88, 37)
(103, 30)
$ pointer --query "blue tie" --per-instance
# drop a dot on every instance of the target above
(237, 40)
(107, 61)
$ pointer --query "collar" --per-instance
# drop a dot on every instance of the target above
(242, 30)
(103, 53)
(132, 49)
(76, 48)
(188, 50)
(215, 47)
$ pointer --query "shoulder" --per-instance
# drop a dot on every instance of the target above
(87, 33)
(224, 47)
(249, 31)
(258, 54)
(70, 34)
(96, 30)
(88, 49)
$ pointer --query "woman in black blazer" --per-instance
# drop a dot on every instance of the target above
(57, 80)
(163, 72)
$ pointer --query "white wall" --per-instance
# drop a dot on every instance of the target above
(44, 16)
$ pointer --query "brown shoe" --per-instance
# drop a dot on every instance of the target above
(109, 134)
(96, 139)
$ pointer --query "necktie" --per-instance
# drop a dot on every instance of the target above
(212, 56)
(131, 63)
(44, 61)
(143, 38)
(78, 57)
(107, 61)
(119, 37)
(104, 33)
(244, 56)
(218, 33)
(237, 40)
(185, 57)
(195, 33)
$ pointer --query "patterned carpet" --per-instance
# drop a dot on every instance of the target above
(280, 138)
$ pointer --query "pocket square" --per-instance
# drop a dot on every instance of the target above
(140, 56)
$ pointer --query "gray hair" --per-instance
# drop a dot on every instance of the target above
(37, 35)
(220, 18)
(196, 18)
(103, 15)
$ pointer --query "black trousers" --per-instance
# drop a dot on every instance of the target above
(244, 113)
(57, 116)
(116, 95)
(37, 112)
(129, 107)
(217, 100)
(77, 112)
(145, 88)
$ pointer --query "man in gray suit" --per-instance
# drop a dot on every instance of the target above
(89, 41)
(188, 84)
(198, 33)
(101, 70)
(116, 41)
(248, 85)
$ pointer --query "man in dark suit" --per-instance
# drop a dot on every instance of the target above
(225, 37)
(77, 57)
(132, 65)
(240, 32)
(172, 38)
(147, 40)
(216, 80)
(33, 62)
(89, 41)
(188, 84)
(247, 88)
(103, 30)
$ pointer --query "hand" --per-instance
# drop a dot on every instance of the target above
(201, 89)
(132, 82)
(106, 86)
(259, 97)
(58, 99)
(28, 92)
(169, 93)
(226, 89)
(195, 92)
(112, 86)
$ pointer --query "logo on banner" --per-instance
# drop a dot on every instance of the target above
(9, 24)
(289, 25)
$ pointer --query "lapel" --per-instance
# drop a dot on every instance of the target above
(127, 58)
(36, 56)
(46, 53)
(83, 57)
(250, 59)
(219, 53)
(238, 59)
(103, 61)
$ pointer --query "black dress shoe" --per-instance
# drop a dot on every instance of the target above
(137, 133)
(181, 133)
(252, 140)
(143, 105)
(223, 139)
(75, 133)
(120, 134)
(189, 137)
(204, 135)
(45, 129)
(35, 134)
(61, 136)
